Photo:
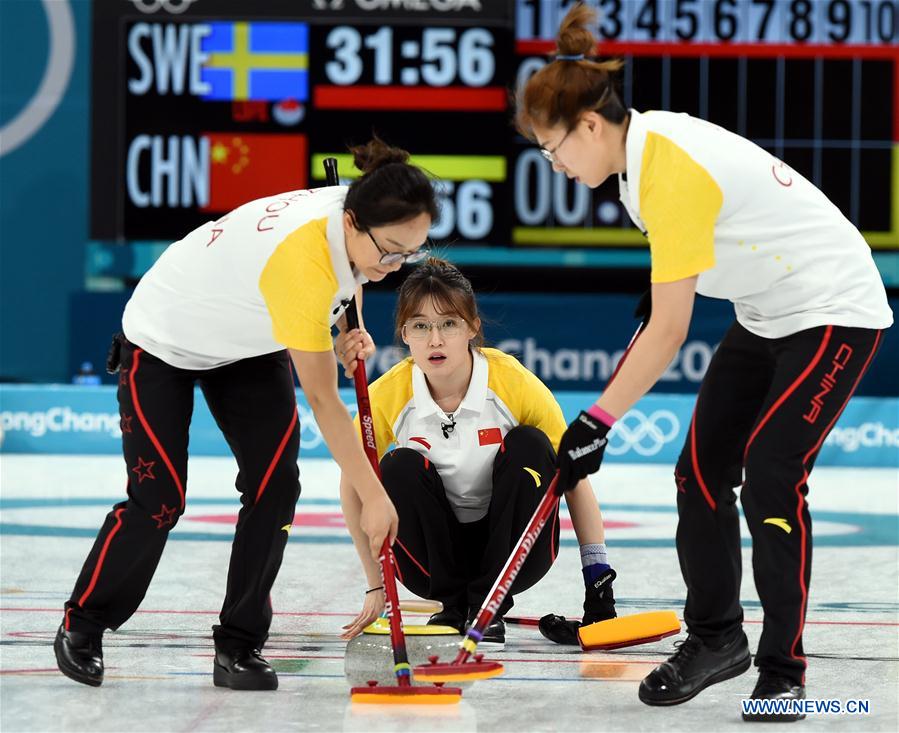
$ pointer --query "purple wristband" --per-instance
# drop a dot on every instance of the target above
(601, 415)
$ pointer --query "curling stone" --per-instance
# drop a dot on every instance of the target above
(369, 656)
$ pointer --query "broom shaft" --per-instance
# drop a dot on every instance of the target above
(510, 570)
(385, 559)
(527, 540)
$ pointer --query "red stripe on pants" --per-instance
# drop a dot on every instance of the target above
(694, 457)
(100, 560)
(552, 539)
(271, 466)
(149, 430)
(803, 534)
(409, 555)
(792, 388)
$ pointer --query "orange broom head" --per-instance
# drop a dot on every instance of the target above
(376, 694)
(638, 628)
(458, 672)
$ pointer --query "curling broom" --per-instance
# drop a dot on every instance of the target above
(403, 692)
(620, 632)
(460, 669)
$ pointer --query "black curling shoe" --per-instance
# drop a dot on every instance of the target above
(495, 633)
(243, 669)
(559, 629)
(80, 656)
(773, 686)
(692, 668)
(452, 617)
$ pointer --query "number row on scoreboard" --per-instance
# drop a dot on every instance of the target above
(712, 21)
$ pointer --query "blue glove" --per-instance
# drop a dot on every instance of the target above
(581, 450)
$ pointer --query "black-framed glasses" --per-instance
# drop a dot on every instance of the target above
(391, 258)
(550, 155)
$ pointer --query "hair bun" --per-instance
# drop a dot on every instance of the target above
(375, 154)
(575, 34)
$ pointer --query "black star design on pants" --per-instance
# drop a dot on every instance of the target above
(165, 518)
(144, 469)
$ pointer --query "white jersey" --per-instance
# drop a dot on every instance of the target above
(757, 233)
(271, 274)
(501, 395)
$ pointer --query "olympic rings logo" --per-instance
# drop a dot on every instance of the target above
(310, 434)
(46, 99)
(645, 435)
(175, 7)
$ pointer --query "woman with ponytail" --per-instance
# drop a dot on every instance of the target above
(229, 308)
(725, 219)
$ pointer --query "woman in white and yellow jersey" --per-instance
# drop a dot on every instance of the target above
(725, 219)
(229, 308)
(475, 436)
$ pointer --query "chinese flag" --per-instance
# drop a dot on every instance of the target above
(489, 436)
(244, 167)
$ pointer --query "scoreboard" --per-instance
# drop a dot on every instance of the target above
(200, 105)
(816, 82)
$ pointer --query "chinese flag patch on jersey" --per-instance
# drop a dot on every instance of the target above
(489, 436)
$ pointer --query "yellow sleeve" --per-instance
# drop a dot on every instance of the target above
(522, 391)
(679, 203)
(384, 436)
(298, 284)
(388, 395)
(541, 410)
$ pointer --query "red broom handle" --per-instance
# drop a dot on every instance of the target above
(360, 381)
(528, 538)
(385, 559)
(510, 571)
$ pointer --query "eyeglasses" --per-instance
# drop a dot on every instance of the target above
(420, 328)
(550, 155)
(391, 258)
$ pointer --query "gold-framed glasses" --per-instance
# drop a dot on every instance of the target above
(420, 328)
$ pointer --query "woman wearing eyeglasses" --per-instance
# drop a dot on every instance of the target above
(475, 435)
(725, 219)
(229, 308)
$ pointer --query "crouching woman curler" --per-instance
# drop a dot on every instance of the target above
(475, 437)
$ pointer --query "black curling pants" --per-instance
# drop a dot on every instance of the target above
(440, 558)
(254, 405)
(763, 411)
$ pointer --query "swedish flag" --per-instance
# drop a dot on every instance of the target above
(263, 61)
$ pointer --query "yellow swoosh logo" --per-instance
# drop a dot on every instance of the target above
(287, 528)
(534, 475)
(779, 522)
